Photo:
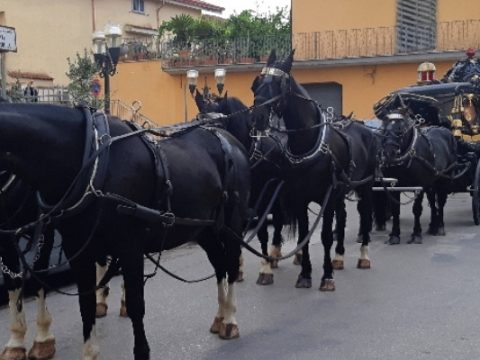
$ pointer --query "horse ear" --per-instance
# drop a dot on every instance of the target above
(199, 101)
(225, 96)
(272, 57)
(287, 65)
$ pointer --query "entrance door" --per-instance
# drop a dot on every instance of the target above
(327, 95)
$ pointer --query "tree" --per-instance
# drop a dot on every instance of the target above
(81, 73)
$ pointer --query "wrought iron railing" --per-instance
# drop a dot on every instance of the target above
(335, 44)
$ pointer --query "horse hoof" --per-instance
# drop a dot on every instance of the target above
(393, 240)
(217, 323)
(101, 310)
(240, 277)
(441, 231)
(123, 310)
(297, 259)
(14, 353)
(380, 227)
(415, 239)
(327, 285)
(42, 350)
(265, 279)
(303, 282)
(363, 264)
(337, 264)
(432, 230)
(229, 331)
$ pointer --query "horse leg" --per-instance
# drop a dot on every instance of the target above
(341, 217)
(327, 283)
(101, 294)
(433, 226)
(229, 328)
(380, 201)
(15, 347)
(265, 277)
(394, 237)
(44, 344)
(277, 241)
(305, 277)
(365, 209)
(123, 306)
(131, 261)
(442, 200)
(224, 260)
(416, 237)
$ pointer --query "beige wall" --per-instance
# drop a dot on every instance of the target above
(47, 35)
(49, 31)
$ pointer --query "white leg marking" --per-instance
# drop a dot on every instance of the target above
(222, 298)
(275, 250)
(18, 325)
(364, 252)
(266, 267)
(100, 293)
(122, 295)
(230, 306)
(91, 348)
(339, 257)
(44, 319)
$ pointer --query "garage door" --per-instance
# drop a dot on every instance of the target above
(327, 95)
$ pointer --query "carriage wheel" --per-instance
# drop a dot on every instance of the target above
(476, 196)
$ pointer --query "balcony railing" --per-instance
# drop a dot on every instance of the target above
(335, 44)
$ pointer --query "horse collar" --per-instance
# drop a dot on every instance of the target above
(96, 151)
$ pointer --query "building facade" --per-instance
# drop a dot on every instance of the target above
(50, 31)
(349, 54)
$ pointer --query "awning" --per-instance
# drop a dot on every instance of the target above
(140, 30)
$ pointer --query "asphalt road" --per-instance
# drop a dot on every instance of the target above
(417, 302)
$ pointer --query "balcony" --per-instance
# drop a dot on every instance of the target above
(348, 47)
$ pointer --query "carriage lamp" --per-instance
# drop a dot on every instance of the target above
(192, 78)
(426, 73)
(106, 53)
(220, 79)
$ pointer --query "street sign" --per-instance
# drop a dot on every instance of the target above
(8, 39)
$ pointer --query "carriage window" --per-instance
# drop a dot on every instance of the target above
(416, 25)
(138, 6)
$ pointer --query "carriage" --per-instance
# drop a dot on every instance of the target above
(456, 106)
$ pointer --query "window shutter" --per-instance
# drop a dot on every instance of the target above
(416, 25)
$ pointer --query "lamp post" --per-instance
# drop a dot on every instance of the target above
(106, 52)
(192, 80)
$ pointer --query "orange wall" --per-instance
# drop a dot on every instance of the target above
(163, 95)
(448, 10)
(321, 15)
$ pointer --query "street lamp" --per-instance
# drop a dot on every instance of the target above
(192, 79)
(106, 52)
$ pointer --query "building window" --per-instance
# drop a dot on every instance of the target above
(416, 25)
(138, 6)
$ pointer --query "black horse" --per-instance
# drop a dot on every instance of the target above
(418, 157)
(320, 156)
(238, 122)
(18, 207)
(120, 193)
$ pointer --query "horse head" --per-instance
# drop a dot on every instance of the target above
(271, 89)
(397, 135)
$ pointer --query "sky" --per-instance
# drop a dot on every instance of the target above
(263, 6)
